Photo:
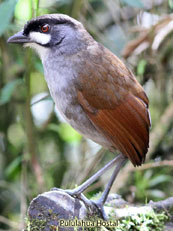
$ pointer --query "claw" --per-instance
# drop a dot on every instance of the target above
(100, 209)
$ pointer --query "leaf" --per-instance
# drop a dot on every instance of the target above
(170, 3)
(156, 193)
(23, 10)
(16, 140)
(13, 168)
(141, 67)
(66, 132)
(8, 90)
(134, 3)
(6, 14)
(159, 179)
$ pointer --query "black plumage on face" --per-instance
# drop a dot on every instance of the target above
(47, 26)
(43, 30)
(37, 24)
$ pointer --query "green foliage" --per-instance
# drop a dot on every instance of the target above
(13, 169)
(35, 224)
(16, 135)
(143, 222)
(38, 84)
(141, 67)
(8, 89)
(147, 184)
(68, 133)
(6, 14)
(170, 2)
(26, 13)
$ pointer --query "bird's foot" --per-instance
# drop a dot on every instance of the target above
(100, 208)
(94, 207)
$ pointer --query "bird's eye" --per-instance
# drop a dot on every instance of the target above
(45, 28)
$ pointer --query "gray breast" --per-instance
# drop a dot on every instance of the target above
(60, 77)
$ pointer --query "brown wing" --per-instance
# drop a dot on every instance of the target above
(116, 104)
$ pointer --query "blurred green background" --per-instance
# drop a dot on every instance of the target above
(38, 150)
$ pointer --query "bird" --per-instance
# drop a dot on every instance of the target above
(93, 90)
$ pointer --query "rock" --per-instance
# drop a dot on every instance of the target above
(50, 208)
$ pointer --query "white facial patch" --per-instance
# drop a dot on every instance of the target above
(41, 38)
(38, 39)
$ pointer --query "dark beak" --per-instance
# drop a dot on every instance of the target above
(19, 38)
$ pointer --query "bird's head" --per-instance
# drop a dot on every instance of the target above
(52, 32)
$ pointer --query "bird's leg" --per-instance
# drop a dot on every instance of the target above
(77, 192)
(81, 188)
(100, 202)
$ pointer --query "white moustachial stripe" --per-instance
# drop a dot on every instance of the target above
(40, 37)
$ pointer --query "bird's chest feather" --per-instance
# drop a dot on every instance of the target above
(61, 79)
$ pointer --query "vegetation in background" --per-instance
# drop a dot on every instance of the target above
(38, 150)
(148, 222)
